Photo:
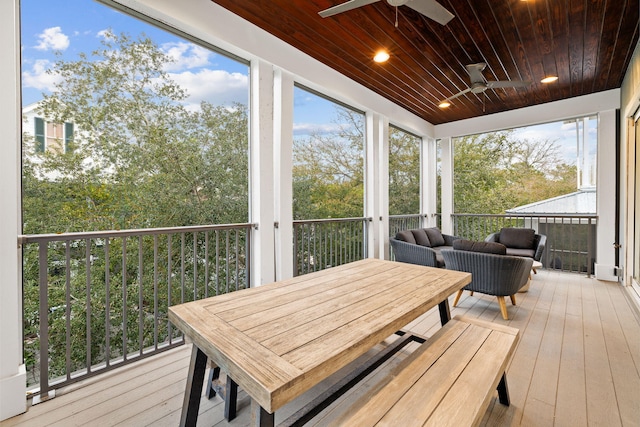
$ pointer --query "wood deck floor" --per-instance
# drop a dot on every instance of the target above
(577, 364)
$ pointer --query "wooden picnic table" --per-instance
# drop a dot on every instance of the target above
(279, 340)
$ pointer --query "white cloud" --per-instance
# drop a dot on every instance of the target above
(315, 128)
(53, 38)
(38, 77)
(186, 56)
(103, 33)
(218, 87)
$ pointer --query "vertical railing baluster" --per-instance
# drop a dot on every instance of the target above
(88, 301)
(107, 303)
(226, 272)
(217, 262)
(195, 266)
(237, 260)
(140, 297)
(169, 285)
(43, 316)
(125, 308)
(182, 266)
(67, 311)
(155, 291)
(206, 264)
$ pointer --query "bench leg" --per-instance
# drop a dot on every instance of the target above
(513, 299)
(214, 374)
(229, 394)
(193, 391)
(445, 314)
(503, 391)
(231, 399)
(260, 417)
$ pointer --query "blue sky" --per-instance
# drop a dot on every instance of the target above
(74, 26)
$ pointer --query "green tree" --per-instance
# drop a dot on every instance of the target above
(404, 173)
(328, 170)
(139, 158)
(496, 172)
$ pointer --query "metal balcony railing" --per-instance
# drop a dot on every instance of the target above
(324, 243)
(571, 239)
(102, 297)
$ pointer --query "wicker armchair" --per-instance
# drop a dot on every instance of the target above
(532, 247)
(498, 275)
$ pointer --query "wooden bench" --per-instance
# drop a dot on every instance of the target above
(449, 381)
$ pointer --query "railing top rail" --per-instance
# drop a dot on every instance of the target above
(408, 216)
(36, 238)
(559, 215)
(327, 220)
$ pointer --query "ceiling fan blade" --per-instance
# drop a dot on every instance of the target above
(506, 83)
(475, 72)
(431, 9)
(458, 94)
(343, 7)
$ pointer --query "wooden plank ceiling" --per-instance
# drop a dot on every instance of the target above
(586, 43)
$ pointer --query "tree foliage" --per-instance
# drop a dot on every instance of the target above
(495, 172)
(139, 158)
(328, 170)
(404, 173)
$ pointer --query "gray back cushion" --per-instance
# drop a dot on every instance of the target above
(406, 236)
(519, 238)
(421, 237)
(435, 236)
(486, 247)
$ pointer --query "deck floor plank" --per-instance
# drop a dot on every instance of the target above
(577, 363)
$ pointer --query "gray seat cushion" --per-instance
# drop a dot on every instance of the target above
(406, 236)
(485, 247)
(521, 252)
(435, 236)
(439, 257)
(518, 238)
(421, 237)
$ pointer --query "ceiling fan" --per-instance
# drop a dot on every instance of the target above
(479, 84)
(429, 8)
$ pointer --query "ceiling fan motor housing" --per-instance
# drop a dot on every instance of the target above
(478, 87)
(397, 2)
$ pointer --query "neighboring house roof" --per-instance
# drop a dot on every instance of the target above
(582, 201)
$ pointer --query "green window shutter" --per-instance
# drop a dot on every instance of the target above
(68, 136)
(39, 134)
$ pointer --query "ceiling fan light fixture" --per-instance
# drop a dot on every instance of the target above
(381, 56)
(549, 79)
(444, 104)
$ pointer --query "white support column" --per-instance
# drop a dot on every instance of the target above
(283, 167)
(262, 205)
(606, 197)
(13, 382)
(446, 146)
(377, 189)
(373, 185)
(429, 180)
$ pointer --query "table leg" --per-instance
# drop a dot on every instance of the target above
(260, 417)
(445, 314)
(195, 378)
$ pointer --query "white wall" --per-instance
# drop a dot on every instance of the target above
(12, 372)
(630, 103)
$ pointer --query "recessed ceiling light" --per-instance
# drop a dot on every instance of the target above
(444, 104)
(549, 79)
(381, 56)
